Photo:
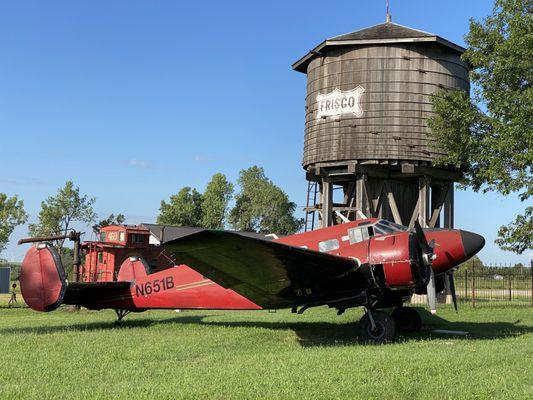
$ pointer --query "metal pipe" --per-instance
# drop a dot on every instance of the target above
(70, 235)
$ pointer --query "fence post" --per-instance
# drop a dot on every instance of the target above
(531, 273)
(510, 287)
(473, 284)
(466, 285)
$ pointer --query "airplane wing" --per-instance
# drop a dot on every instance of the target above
(270, 274)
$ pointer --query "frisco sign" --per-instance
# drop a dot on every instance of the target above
(338, 103)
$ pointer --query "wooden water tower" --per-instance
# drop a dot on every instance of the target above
(366, 134)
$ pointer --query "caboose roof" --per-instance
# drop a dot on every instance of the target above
(166, 233)
(387, 32)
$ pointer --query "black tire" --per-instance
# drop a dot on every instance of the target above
(385, 331)
(407, 319)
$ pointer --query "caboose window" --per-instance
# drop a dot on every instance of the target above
(121, 236)
(102, 236)
(100, 258)
(137, 238)
(328, 245)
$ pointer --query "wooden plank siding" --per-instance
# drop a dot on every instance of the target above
(398, 79)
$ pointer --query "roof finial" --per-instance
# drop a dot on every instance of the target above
(388, 12)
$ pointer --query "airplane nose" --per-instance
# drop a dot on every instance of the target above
(472, 243)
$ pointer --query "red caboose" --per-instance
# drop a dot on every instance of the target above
(117, 243)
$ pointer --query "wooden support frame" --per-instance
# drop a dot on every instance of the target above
(423, 200)
(365, 195)
(449, 207)
(437, 206)
(376, 204)
(392, 204)
(327, 203)
(414, 216)
(359, 191)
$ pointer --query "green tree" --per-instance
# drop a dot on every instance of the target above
(517, 236)
(12, 214)
(261, 206)
(110, 220)
(183, 209)
(60, 211)
(489, 135)
(215, 202)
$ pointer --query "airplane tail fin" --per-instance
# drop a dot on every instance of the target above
(43, 281)
(44, 285)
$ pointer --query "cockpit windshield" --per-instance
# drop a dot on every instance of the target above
(384, 227)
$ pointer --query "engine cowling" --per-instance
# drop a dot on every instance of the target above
(399, 255)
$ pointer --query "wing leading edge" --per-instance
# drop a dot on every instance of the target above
(271, 274)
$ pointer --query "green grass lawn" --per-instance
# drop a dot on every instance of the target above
(257, 354)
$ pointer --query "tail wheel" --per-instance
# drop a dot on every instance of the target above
(407, 319)
(382, 331)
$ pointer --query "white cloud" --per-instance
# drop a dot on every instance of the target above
(141, 164)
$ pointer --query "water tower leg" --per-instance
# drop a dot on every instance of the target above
(327, 203)
(360, 195)
(448, 223)
(448, 207)
(423, 200)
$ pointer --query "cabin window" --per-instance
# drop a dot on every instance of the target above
(328, 245)
(358, 234)
(122, 236)
(100, 258)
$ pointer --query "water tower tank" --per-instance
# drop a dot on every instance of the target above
(367, 105)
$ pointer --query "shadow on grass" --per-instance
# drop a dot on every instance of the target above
(308, 333)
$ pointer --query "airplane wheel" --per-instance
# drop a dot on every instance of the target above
(407, 319)
(384, 332)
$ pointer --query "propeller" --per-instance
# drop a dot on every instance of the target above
(432, 292)
(451, 280)
(428, 256)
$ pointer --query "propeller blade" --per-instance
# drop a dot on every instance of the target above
(427, 256)
(452, 289)
(422, 241)
(432, 292)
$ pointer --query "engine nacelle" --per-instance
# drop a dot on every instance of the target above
(400, 257)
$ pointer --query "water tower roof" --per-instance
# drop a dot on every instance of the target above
(384, 33)
(386, 30)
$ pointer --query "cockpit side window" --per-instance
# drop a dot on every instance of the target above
(357, 235)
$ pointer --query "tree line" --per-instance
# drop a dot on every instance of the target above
(259, 206)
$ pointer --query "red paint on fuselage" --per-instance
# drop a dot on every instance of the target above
(186, 289)
(190, 290)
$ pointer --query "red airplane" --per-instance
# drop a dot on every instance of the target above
(371, 263)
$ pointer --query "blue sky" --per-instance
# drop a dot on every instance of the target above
(134, 99)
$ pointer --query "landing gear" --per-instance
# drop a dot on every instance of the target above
(376, 327)
(407, 319)
(120, 315)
